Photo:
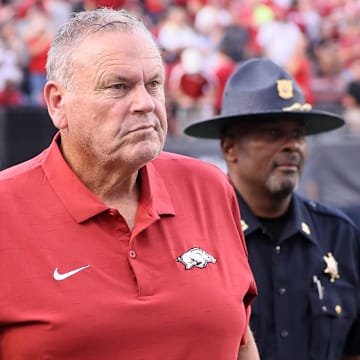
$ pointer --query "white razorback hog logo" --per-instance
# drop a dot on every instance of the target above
(195, 257)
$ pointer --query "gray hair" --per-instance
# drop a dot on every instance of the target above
(59, 65)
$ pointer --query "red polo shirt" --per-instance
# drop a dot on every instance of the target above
(76, 284)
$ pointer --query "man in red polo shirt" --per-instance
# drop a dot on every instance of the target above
(110, 248)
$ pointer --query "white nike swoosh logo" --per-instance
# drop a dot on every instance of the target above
(58, 276)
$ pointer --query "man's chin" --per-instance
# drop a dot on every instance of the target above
(282, 193)
(282, 189)
(148, 150)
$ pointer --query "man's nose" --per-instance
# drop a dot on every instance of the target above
(142, 101)
(294, 140)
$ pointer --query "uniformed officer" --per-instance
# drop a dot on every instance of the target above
(305, 256)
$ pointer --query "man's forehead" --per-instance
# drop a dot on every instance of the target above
(121, 41)
(124, 49)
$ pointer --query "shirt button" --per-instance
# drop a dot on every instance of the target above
(132, 254)
(282, 291)
(277, 249)
(284, 333)
(324, 308)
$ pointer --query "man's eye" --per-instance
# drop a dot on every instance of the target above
(273, 133)
(118, 86)
(276, 134)
(299, 134)
(154, 87)
(154, 84)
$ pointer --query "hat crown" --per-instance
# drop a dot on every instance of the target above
(260, 86)
(260, 89)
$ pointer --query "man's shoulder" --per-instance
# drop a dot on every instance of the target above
(192, 174)
(322, 210)
(22, 171)
(188, 166)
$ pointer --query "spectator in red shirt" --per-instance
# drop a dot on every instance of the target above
(38, 38)
(192, 89)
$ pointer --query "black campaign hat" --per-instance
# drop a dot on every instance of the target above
(261, 90)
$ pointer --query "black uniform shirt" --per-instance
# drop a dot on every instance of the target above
(308, 282)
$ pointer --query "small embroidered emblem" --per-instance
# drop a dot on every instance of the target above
(285, 88)
(195, 257)
(331, 267)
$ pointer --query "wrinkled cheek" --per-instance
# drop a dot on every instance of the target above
(162, 138)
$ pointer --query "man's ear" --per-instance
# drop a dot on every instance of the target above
(228, 147)
(53, 94)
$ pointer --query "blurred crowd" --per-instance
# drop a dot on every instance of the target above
(202, 42)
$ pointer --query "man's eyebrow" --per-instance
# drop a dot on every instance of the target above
(113, 76)
(117, 78)
(157, 75)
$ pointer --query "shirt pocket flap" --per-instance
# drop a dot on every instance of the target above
(337, 302)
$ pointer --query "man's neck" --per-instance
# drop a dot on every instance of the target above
(265, 205)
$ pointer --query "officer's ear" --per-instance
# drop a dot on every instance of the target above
(229, 149)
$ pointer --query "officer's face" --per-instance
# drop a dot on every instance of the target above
(266, 156)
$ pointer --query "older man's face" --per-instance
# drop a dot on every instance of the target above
(116, 112)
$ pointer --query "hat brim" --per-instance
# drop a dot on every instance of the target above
(315, 122)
